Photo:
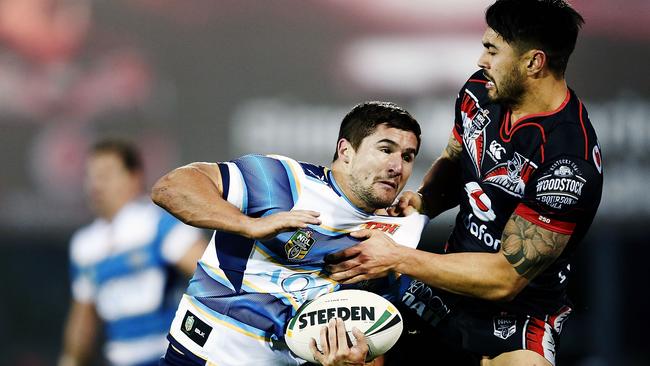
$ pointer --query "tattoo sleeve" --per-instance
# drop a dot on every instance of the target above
(453, 149)
(530, 248)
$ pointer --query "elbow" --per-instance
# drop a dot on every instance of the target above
(508, 290)
(159, 192)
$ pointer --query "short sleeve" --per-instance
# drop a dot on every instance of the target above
(257, 184)
(561, 193)
(178, 241)
(83, 286)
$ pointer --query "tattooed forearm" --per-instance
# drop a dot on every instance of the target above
(453, 149)
(530, 248)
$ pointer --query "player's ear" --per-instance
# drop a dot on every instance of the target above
(535, 61)
(344, 149)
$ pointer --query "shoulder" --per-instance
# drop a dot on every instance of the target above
(264, 164)
(473, 95)
(86, 242)
(571, 132)
(475, 85)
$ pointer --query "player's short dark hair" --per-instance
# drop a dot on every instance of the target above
(364, 118)
(125, 150)
(549, 25)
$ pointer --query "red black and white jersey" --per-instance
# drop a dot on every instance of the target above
(546, 168)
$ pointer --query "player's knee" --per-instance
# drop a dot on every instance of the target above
(519, 358)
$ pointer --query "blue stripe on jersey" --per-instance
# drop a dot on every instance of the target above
(196, 288)
(186, 359)
(140, 325)
(125, 264)
(292, 182)
(138, 259)
(225, 178)
(267, 184)
(233, 251)
(261, 311)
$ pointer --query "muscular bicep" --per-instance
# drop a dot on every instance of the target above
(453, 149)
(209, 171)
(192, 179)
(530, 248)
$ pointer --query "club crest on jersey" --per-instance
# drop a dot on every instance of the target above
(189, 323)
(299, 245)
(561, 185)
(382, 226)
(512, 175)
(504, 326)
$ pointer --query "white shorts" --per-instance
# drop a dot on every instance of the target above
(223, 341)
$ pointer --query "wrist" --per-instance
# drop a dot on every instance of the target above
(244, 227)
(400, 256)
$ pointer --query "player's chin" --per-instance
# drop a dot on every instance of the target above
(385, 198)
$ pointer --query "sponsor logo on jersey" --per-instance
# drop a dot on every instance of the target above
(480, 202)
(382, 226)
(299, 245)
(429, 306)
(196, 329)
(512, 175)
(323, 316)
(561, 186)
(496, 151)
(480, 232)
(598, 159)
(475, 119)
(504, 326)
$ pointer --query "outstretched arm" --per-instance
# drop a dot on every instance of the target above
(527, 249)
(193, 193)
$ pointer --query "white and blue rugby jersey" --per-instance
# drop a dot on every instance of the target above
(254, 286)
(124, 268)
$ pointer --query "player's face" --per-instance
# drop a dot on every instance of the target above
(501, 64)
(108, 184)
(380, 167)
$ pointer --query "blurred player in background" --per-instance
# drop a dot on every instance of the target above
(275, 220)
(127, 266)
(525, 167)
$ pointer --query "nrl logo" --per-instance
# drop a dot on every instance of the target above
(299, 245)
(504, 326)
(189, 323)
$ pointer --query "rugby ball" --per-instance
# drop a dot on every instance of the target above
(373, 315)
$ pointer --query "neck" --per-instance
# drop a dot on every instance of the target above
(544, 94)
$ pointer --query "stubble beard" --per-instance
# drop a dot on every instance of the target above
(511, 89)
(367, 195)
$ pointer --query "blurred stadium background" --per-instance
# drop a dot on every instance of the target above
(209, 80)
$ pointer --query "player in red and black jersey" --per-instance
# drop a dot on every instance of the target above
(524, 165)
